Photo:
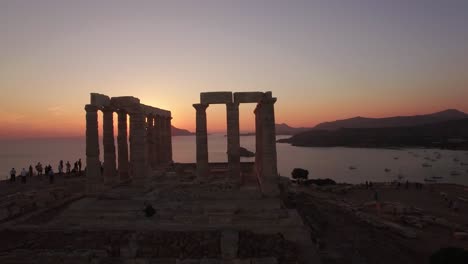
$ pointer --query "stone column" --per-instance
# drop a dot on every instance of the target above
(149, 140)
(233, 140)
(93, 165)
(169, 139)
(202, 141)
(138, 148)
(268, 141)
(258, 143)
(109, 146)
(157, 140)
(122, 146)
(163, 140)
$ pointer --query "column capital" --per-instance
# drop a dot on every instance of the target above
(108, 109)
(234, 105)
(200, 107)
(91, 108)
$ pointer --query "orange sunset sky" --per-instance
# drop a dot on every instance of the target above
(324, 60)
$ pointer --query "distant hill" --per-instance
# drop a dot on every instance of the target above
(397, 121)
(284, 129)
(180, 132)
(451, 134)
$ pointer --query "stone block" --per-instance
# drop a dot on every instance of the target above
(248, 97)
(100, 100)
(123, 102)
(241, 261)
(210, 261)
(229, 244)
(270, 260)
(216, 97)
(187, 261)
(162, 261)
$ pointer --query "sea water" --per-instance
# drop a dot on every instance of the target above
(351, 165)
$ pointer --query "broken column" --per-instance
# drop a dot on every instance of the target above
(268, 158)
(233, 140)
(201, 141)
(122, 146)
(109, 146)
(93, 165)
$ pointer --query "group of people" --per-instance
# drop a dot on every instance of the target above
(47, 170)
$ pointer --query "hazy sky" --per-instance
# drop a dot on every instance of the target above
(323, 60)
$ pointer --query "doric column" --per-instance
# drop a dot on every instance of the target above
(149, 140)
(268, 148)
(109, 146)
(157, 140)
(138, 148)
(122, 148)
(233, 140)
(169, 138)
(163, 140)
(93, 165)
(202, 141)
(258, 143)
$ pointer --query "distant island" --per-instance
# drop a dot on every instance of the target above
(447, 129)
(180, 132)
(281, 129)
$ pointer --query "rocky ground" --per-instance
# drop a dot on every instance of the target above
(345, 222)
(407, 226)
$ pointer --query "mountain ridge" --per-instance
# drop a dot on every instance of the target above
(394, 121)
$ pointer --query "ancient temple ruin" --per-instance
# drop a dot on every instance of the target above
(150, 141)
(265, 154)
(140, 207)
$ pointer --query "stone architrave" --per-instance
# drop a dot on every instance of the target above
(202, 141)
(138, 148)
(94, 179)
(110, 176)
(122, 146)
(233, 140)
(149, 140)
(268, 158)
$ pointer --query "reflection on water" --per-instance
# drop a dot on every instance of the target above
(353, 165)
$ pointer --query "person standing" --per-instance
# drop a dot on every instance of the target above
(60, 167)
(68, 165)
(79, 166)
(30, 171)
(23, 175)
(12, 175)
(51, 175)
(39, 169)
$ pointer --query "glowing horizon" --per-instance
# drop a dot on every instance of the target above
(324, 60)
